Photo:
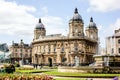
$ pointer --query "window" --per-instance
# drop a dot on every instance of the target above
(15, 50)
(54, 49)
(20, 54)
(26, 50)
(49, 49)
(20, 50)
(119, 50)
(26, 55)
(112, 50)
(119, 41)
(62, 50)
(44, 48)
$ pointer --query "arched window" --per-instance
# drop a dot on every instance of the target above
(62, 49)
(54, 48)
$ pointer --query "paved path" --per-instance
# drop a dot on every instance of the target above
(86, 78)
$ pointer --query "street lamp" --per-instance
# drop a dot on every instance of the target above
(108, 60)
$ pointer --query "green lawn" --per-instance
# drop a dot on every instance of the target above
(30, 71)
(56, 73)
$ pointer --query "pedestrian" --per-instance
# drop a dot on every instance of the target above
(115, 78)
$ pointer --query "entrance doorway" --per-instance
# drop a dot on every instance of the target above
(50, 62)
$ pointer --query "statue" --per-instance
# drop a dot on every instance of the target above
(77, 61)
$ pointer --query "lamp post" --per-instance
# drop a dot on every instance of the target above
(108, 60)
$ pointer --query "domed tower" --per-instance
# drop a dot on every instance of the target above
(76, 25)
(40, 30)
(91, 30)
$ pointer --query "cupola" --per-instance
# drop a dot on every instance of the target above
(92, 24)
(39, 25)
(76, 16)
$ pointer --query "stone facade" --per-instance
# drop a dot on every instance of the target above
(21, 53)
(76, 48)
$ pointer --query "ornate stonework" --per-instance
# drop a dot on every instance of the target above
(58, 49)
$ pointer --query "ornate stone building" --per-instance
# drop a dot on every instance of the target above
(78, 47)
(21, 53)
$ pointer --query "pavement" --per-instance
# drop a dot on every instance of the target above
(86, 78)
(27, 66)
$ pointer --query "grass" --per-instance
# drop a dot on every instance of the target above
(56, 73)
(30, 71)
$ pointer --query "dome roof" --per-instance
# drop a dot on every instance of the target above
(39, 25)
(92, 24)
(76, 16)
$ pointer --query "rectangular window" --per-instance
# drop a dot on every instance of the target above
(44, 49)
(49, 50)
(54, 49)
(62, 50)
(15, 50)
(119, 41)
(20, 50)
(112, 50)
(119, 50)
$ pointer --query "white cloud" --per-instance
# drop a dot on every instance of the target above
(44, 9)
(104, 5)
(116, 25)
(54, 25)
(16, 20)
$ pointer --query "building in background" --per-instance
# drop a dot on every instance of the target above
(21, 53)
(112, 56)
(77, 48)
(113, 43)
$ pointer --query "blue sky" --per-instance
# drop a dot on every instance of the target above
(18, 18)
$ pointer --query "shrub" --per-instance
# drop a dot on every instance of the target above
(10, 68)
(17, 64)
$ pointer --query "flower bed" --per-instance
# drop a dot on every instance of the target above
(25, 77)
